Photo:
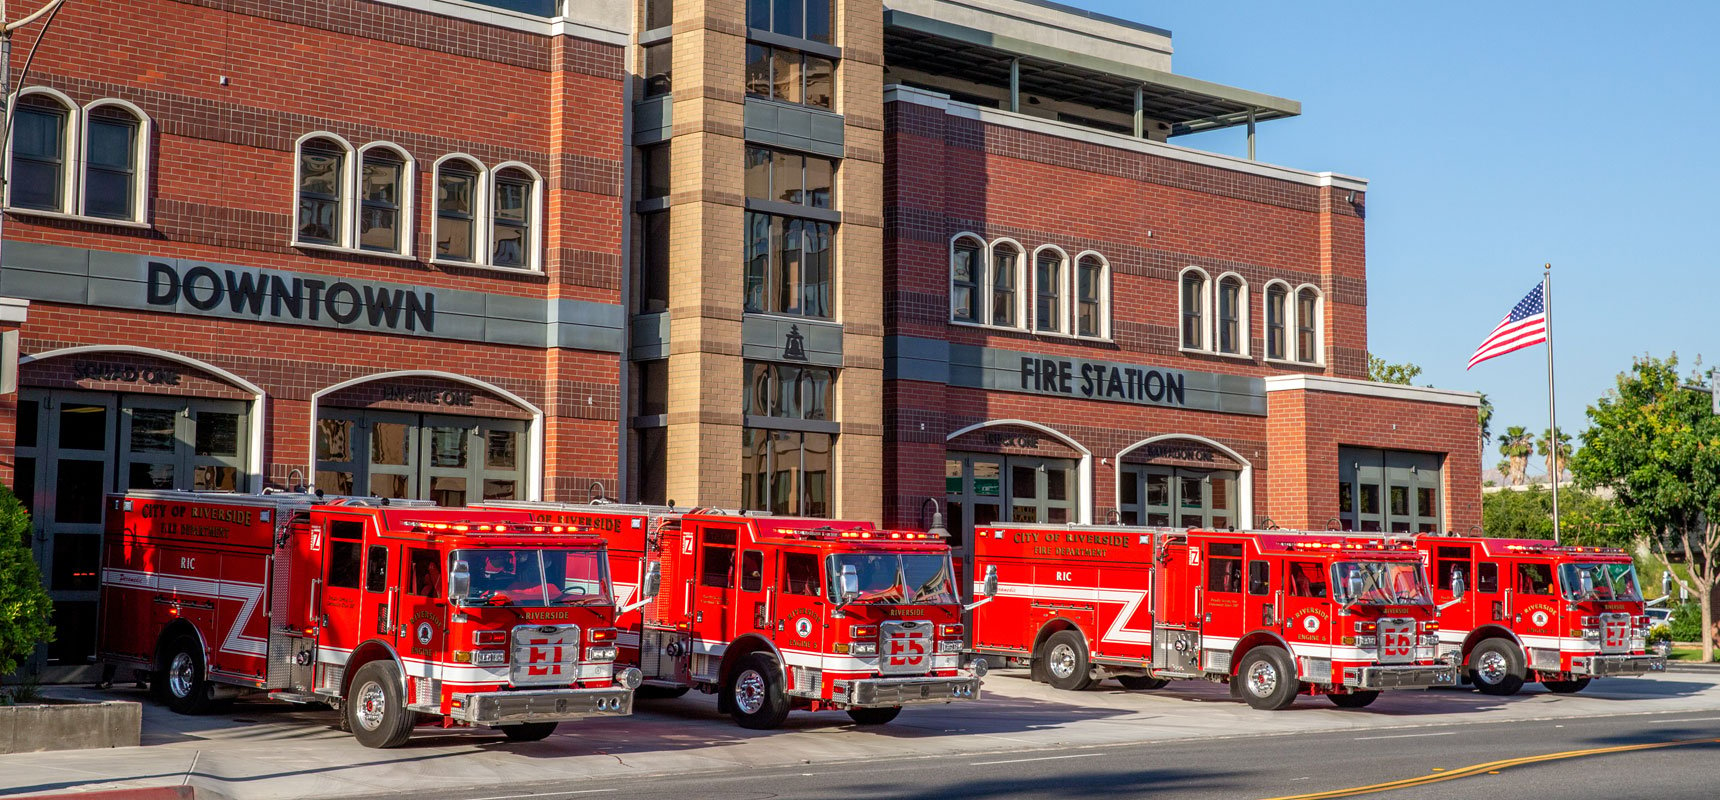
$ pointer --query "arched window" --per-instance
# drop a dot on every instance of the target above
(456, 234)
(512, 217)
(1193, 302)
(1231, 321)
(1277, 325)
(1090, 295)
(41, 150)
(385, 200)
(1308, 325)
(967, 277)
(1005, 277)
(115, 164)
(322, 182)
(1048, 268)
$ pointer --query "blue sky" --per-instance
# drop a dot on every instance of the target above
(1497, 137)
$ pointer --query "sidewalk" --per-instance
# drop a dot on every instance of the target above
(263, 750)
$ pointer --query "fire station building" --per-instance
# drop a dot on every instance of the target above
(846, 258)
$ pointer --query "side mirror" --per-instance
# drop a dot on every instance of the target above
(1354, 586)
(1457, 590)
(850, 584)
(1586, 583)
(653, 581)
(991, 581)
(459, 582)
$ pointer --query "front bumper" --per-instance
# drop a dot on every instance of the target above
(890, 692)
(1407, 676)
(542, 705)
(1606, 666)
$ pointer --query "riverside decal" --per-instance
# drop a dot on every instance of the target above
(1071, 543)
(243, 291)
(1102, 381)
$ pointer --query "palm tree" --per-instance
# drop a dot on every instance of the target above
(1484, 416)
(1516, 445)
(1542, 447)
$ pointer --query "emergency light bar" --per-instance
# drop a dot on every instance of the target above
(1373, 545)
(494, 527)
(1560, 548)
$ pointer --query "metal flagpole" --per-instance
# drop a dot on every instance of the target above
(1552, 402)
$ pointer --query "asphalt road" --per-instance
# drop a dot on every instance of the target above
(1592, 759)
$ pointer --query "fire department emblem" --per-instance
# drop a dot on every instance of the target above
(1311, 623)
(1539, 618)
(803, 627)
(425, 632)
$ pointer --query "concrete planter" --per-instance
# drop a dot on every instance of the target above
(70, 725)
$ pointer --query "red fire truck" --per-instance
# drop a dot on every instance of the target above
(1536, 611)
(390, 613)
(1274, 614)
(776, 613)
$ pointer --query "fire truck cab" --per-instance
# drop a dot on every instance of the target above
(393, 614)
(1275, 614)
(1538, 611)
(777, 613)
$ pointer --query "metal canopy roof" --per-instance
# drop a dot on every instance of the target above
(1189, 104)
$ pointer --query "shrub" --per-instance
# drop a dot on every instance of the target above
(1687, 623)
(24, 603)
(1658, 634)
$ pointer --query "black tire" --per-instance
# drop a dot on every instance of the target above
(1268, 678)
(1066, 664)
(1354, 699)
(649, 692)
(1496, 667)
(873, 716)
(1142, 683)
(753, 694)
(1566, 687)
(182, 683)
(375, 706)
(529, 732)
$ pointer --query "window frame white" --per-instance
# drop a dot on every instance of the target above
(140, 154)
(480, 211)
(1205, 327)
(1243, 321)
(1020, 285)
(407, 206)
(535, 218)
(1319, 327)
(1065, 277)
(1104, 332)
(343, 210)
(981, 279)
(69, 158)
(1289, 356)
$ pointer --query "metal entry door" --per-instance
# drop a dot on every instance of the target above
(1388, 491)
(1173, 497)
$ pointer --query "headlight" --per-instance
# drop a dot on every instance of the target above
(952, 646)
(865, 648)
(599, 654)
(1430, 640)
(1591, 635)
(489, 657)
(1367, 641)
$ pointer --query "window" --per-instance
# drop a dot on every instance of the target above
(1048, 290)
(966, 276)
(659, 68)
(801, 19)
(344, 563)
(800, 574)
(1307, 325)
(322, 179)
(1224, 568)
(382, 191)
(376, 569)
(424, 574)
(40, 133)
(1535, 578)
(659, 14)
(786, 391)
(1232, 325)
(654, 262)
(752, 571)
(783, 177)
(788, 265)
(1307, 579)
(786, 472)
(1259, 578)
(790, 76)
(654, 180)
(1193, 302)
(1487, 577)
(1449, 563)
(716, 565)
(1277, 296)
(1090, 291)
(112, 163)
(456, 210)
(1005, 267)
(511, 219)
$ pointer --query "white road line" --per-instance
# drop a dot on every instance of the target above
(1405, 736)
(1025, 760)
(1698, 719)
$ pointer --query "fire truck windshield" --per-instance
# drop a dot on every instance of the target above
(896, 578)
(530, 577)
(1379, 583)
(1610, 581)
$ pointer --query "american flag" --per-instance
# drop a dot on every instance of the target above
(1525, 326)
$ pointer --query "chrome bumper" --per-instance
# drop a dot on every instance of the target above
(1605, 666)
(1408, 676)
(545, 705)
(889, 692)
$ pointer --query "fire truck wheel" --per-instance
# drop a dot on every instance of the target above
(1268, 678)
(873, 716)
(1142, 683)
(1566, 687)
(754, 694)
(182, 683)
(375, 707)
(1496, 667)
(1354, 699)
(529, 732)
(1065, 657)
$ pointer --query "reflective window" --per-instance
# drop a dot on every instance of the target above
(1089, 296)
(39, 154)
(322, 166)
(111, 164)
(510, 220)
(788, 267)
(1231, 336)
(965, 277)
(1193, 298)
(456, 211)
(380, 187)
(1276, 297)
(1048, 291)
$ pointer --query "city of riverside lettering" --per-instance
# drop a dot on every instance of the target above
(1071, 544)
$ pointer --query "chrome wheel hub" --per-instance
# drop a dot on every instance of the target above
(749, 692)
(372, 705)
(1062, 661)
(1491, 667)
(1262, 678)
(181, 675)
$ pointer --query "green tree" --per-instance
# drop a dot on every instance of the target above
(1543, 447)
(1584, 518)
(1516, 444)
(1381, 372)
(1656, 445)
(24, 603)
(1484, 418)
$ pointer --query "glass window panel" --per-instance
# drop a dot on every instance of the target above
(1056, 515)
(787, 402)
(1193, 301)
(1306, 319)
(1275, 298)
(502, 449)
(789, 18)
(1129, 492)
(1057, 484)
(820, 176)
(510, 245)
(757, 393)
(654, 253)
(110, 168)
(152, 430)
(1023, 482)
(79, 487)
(28, 411)
(380, 182)
(1400, 501)
(1370, 498)
(393, 487)
(1048, 287)
(815, 301)
(379, 229)
(38, 158)
(455, 193)
(661, 13)
(1222, 493)
(512, 217)
(757, 280)
(1229, 316)
(787, 180)
(215, 478)
(1188, 492)
(446, 490)
(758, 70)
(659, 69)
(77, 561)
(1346, 498)
(818, 20)
(380, 192)
(653, 465)
(1159, 520)
(448, 447)
(319, 172)
(785, 481)
(786, 76)
(1427, 501)
(964, 283)
(820, 82)
(388, 443)
(788, 264)
(1004, 263)
(112, 143)
(345, 563)
(500, 489)
(332, 482)
(217, 434)
(754, 462)
(318, 221)
(987, 479)
(36, 185)
(376, 569)
(150, 476)
(815, 461)
(334, 440)
(758, 14)
(1088, 289)
(24, 482)
(83, 426)
(758, 173)
(656, 162)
